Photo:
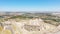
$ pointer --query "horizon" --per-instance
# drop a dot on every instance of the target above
(31, 11)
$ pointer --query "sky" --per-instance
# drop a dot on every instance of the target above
(29, 5)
